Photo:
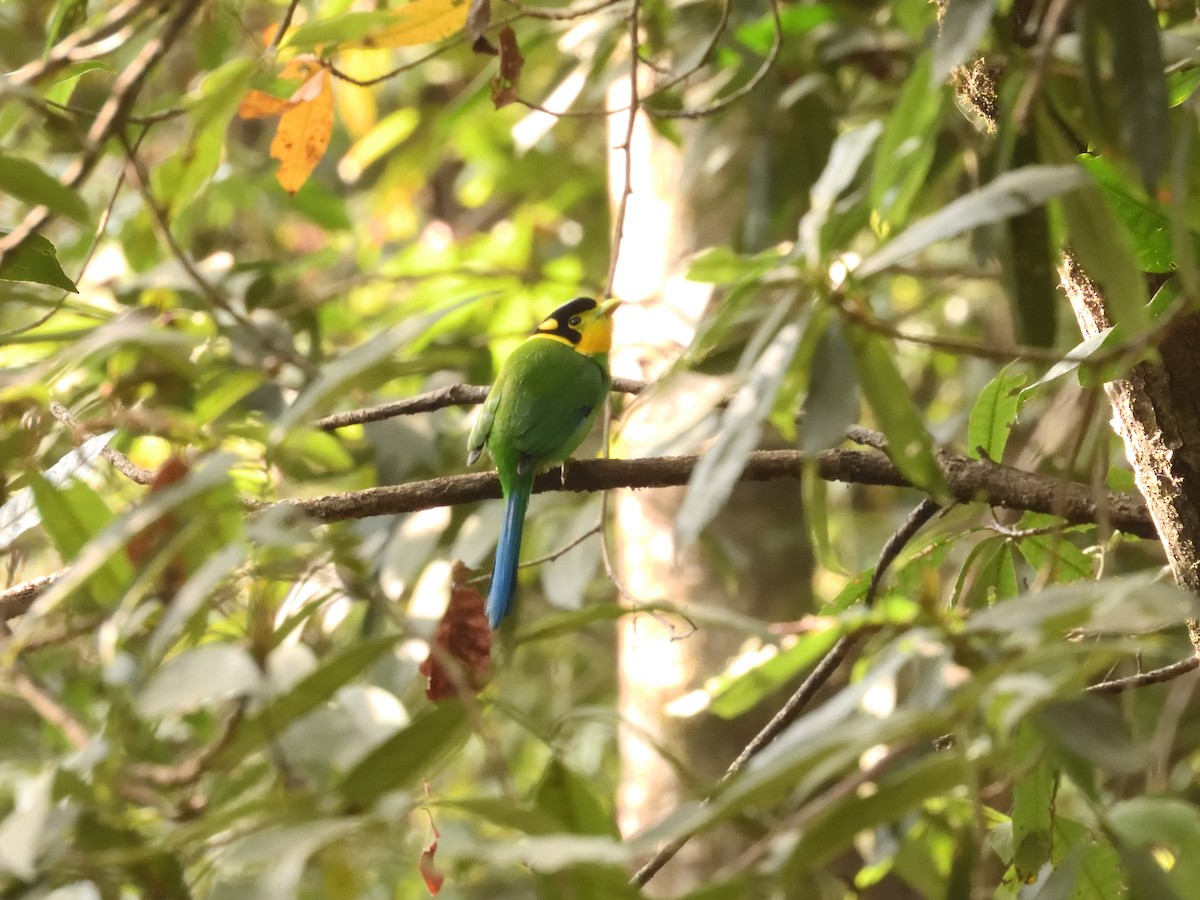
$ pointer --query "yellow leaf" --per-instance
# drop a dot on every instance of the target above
(304, 131)
(421, 22)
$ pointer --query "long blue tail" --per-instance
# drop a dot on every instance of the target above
(508, 553)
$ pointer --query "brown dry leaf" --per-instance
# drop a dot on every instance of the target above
(508, 79)
(260, 105)
(463, 636)
(421, 22)
(146, 543)
(304, 131)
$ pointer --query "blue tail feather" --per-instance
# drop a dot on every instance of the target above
(508, 554)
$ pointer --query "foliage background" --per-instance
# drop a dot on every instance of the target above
(229, 705)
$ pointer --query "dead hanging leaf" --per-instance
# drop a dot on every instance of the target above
(463, 641)
(144, 545)
(420, 22)
(305, 120)
(434, 878)
(508, 79)
(479, 16)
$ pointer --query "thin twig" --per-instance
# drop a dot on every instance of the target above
(48, 707)
(111, 119)
(626, 147)
(451, 395)
(816, 680)
(284, 25)
(16, 600)
(705, 54)
(188, 771)
(1051, 25)
(162, 229)
(755, 80)
(120, 461)
(399, 70)
(559, 15)
(1155, 676)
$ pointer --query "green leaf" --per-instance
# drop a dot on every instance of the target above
(35, 260)
(909, 444)
(566, 795)
(721, 466)
(1031, 279)
(409, 755)
(1074, 357)
(26, 181)
(993, 414)
(73, 514)
(733, 695)
(1130, 604)
(1094, 730)
(1034, 793)
(1007, 195)
(906, 148)
(1143, 218)
(846, 156)
(20, 512)
(202, 677)
(831, 404)
(721, 265)
(1182, 84)
(1145, 876)
(964, 23)
(309, 693)
(1139, 83)
(1102, 246)
(1165, 822)
(831, 831)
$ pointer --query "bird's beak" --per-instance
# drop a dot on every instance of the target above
(607, 307)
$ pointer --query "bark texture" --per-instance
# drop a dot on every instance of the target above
(1156, 411)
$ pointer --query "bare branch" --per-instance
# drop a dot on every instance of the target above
(452, 395)
(1155, 676)
(970, 481)
(16, 600)
(120, 461)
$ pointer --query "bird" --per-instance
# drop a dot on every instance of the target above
(543, 403)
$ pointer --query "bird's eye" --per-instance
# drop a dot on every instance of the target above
(575, 320)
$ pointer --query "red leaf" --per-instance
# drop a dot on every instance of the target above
(460, 656)
(434, 878)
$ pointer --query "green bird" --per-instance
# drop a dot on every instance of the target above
(543, 404)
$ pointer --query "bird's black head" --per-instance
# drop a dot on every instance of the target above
(569, 320)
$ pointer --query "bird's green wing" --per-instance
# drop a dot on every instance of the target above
(552, 396)
(483, 425)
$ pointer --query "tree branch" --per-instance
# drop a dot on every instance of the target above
(452, 395)
(970, 481)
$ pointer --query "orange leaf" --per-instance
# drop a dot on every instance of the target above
(304, 131)
(463, 637)
(260, 105)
